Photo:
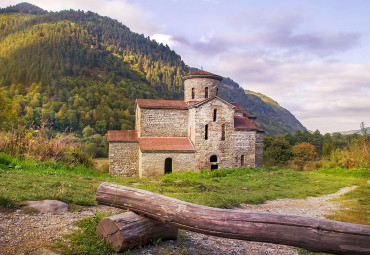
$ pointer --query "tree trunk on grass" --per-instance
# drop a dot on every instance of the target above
(128, 230)
(309, 233)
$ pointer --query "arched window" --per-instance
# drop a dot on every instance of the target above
(214, 114)
(192, 93)
(242, 160)
(168, 166)
(213, 160)
(206, 132)
(223, 132)
(206, 92)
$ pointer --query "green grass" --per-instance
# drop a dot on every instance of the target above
(23, 180)
(85, 240)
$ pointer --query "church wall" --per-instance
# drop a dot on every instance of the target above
(124, 159)
(214, 145)
(137, 120)
(163, 123)
(259, 149)
(199, 86)
(244, 144)
(152, 163)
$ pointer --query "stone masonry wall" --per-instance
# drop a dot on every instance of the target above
(137, 120)
(259, 149)
(163, 123)
(199, 86)
(152, 163)
(244, 144)
(124, 159)
(223, 149)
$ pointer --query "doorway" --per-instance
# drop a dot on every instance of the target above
(168, 166)
(213, 160)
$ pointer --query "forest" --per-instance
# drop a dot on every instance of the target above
(72, 70)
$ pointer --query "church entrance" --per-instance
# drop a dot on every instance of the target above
(213, 160)
(168, 166)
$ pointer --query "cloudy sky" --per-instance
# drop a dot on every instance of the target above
(311, 56)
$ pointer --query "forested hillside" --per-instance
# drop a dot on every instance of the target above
(73, 69)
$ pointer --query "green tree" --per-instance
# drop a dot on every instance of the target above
(277, 151)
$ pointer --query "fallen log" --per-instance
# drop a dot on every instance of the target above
(309, 233)
(128, 230)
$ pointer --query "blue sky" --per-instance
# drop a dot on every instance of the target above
(311, 56)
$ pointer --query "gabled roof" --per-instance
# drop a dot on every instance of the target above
(166, 144)
(238, 108)
(122, 136)
(197, 104)
(202, 74)
(161, 104)
(243, 123)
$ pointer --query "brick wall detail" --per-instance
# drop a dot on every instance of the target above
(124, 159)
(152, 163)
(163, 123)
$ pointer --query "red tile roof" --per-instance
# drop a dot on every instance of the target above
(165, 144)
(244, 123)
(250, 116)
(161, 104)
(237, 107)
(202, 74)
(122, 135)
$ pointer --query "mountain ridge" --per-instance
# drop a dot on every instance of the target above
(75, 69)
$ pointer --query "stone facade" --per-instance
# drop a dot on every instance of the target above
(152, 164)
(163, 123)
(195, 89)
(201, 132)
(124, 159)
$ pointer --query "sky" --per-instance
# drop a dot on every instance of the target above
(311, 56)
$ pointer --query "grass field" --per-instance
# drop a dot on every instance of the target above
(22, 180)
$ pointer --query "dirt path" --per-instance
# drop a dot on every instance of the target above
(22, 233)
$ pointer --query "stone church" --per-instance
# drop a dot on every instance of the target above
(203, 131)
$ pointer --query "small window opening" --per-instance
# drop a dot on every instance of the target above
(223, 132)
(192, 93)
(214, 114)
(168, 166)
(242, 160)
(213, 160)
(206, 93)
(206, 132)
(216, 91)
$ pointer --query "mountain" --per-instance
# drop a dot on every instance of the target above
(351, 132)
(73, 69)
(270, 115)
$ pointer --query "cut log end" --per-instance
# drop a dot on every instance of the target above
(129, 230)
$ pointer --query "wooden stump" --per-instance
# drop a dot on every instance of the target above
(309, 233)
(128, 230)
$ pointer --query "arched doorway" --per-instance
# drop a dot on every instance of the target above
(168, 166)
(213, 160)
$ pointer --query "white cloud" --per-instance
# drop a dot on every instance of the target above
(130, 14)
(165, 39)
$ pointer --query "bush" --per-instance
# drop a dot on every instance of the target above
(355, 156)
(36, 144)
(277, 152)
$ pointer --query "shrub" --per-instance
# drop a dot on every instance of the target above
(356, 155)
(36, 144)
(304, 151)
(277, 152)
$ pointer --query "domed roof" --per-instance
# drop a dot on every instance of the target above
(202, 74)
